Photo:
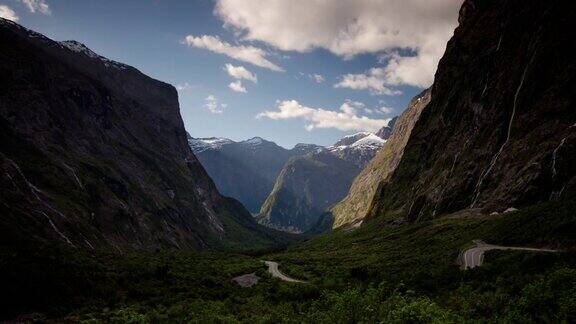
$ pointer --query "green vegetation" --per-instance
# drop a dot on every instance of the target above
(378, 273)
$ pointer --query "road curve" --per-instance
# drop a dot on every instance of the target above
(273, 269)
(474, 257)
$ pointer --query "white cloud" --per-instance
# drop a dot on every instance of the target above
(249, 54)
(183, 86)
(351, 27)
(37, 6)
(237, 86)
(385, 110)
(7, 13)
(345, 119)
(240, 72)
(318, 78)
(213, 105)
(375, 80)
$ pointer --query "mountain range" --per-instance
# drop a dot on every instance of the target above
(461, 211)
(244, 170)
(248, 170)
(308, 184)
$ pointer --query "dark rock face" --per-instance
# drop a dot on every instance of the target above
(245, 170)
(94, 154)
(305, 187)
(500, 129)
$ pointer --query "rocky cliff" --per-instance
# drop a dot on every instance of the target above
(93, 154)
(354, 207)
(500, 130)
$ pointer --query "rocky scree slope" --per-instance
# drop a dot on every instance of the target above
(500, 130)
(93, 154)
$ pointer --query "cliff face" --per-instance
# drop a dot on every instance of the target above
(94, 154)
(354, 207)
(305, 187)
(500, 129)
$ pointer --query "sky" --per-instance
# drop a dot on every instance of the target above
(290, 71)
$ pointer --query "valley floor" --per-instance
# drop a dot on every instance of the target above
(380, 272)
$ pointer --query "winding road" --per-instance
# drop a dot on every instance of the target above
(474, 257)
(273, 269)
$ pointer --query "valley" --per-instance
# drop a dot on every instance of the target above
(458, 208)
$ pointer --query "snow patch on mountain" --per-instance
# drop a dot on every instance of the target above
(369, 141)
(78, 47)
(358, 141)
(254, 141)
(199, 145)
(357, 148)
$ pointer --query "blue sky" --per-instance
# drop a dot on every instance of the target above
(336, 42)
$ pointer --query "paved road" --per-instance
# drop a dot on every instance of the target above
(273, 269)
(473, 257)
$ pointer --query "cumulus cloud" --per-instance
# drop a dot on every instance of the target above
(183, 86)
(318, 78)
(7, 13)
(345, 119)
(385, 110)
(351, 27)
(375, 80)
(240, 72)
(40, 6)
(244, 53)
(213, 105)
(237, 86)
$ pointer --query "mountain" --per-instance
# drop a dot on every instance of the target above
(354, 207)
(305, 187)
(94, 154)
(244, 170)
(358, 148)
(500, 129)
(309, 184)
(386, 131)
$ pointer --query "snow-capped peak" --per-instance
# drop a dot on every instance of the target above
(199, 145)
(370, 139)
(254, 141)
(358, 148)
(358, 141)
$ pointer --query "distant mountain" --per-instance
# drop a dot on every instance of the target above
(354, 208)
(305, 187)
(93, 154)
(245, 170)
(386, 131)
(358, 148)
(310, 183)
